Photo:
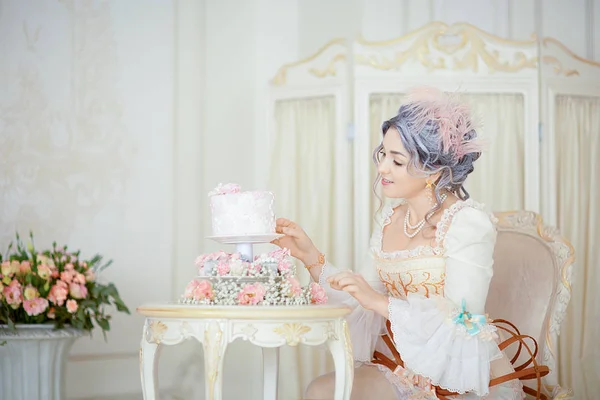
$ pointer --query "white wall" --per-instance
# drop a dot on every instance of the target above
(117, 118)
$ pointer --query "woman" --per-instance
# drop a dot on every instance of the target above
(430, 264)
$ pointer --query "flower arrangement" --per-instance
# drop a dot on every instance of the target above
(226, 279)
(54, 286)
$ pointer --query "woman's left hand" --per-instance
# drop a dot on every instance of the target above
(356, 285)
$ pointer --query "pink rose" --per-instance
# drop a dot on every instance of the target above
(58, 293)
(13, 295)
(223, 268)
(54, 273)
(35, 306)
(78, 291)
(25, 267)
(228, 188)
(67, 276)
(295, 288)
(199, 290)
(69, 267)
(317, 293)
(252, 294)
(79, 278)
(72, 306)
(30, 292)
(284, 266)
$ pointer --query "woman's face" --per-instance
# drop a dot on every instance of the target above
(396, 181)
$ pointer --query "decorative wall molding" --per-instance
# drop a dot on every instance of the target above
(57, 159)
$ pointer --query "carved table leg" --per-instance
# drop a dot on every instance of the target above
(149, 355)
(214, 345)
(341, 350)
(270, 372)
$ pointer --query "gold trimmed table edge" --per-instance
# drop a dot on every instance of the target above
(184, 311)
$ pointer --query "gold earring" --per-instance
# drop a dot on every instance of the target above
(429, 193)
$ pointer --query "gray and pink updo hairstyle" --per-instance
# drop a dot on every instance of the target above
(438, 131)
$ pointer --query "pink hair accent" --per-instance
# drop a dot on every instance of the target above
(452, 116)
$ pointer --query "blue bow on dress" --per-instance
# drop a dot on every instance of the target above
(472, 322)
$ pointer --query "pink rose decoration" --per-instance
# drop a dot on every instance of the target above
(218, 256)
(228, 188)
(199, 290)
(284, 266)
(317, 293)
(295, 287)
(35, 306)
(72, 306)
(252, 294)
(223, 268)
(78, 291)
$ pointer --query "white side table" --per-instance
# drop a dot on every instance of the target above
(267, 327)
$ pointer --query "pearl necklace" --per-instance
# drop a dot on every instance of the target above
(421, 224)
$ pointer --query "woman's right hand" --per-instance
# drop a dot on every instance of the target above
(297, 241)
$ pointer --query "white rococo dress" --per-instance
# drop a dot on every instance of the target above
(429, 287)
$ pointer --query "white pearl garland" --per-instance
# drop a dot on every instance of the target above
(421, 224)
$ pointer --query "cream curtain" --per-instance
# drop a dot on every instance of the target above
(304, 170)
(578, 177)
(498, 178)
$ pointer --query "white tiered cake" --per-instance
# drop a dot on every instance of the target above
(237, 213)
(239, 278)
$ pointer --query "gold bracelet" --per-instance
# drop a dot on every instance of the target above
(320, 263)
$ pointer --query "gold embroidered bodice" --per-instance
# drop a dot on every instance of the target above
(421, 270)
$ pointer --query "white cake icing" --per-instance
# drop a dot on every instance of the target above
(237, 213)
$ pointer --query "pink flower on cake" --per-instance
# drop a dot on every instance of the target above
(317, 294)
(72, 306)
(228, 188)
(284, 266)
(199, 290)
(252, 294)
(217, 256)
(35, 306)
(203, 290)
(295, 287)
(279, 254)
(223, 268)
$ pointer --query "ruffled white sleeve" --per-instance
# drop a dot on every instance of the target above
(435, 336)
(365, 326)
